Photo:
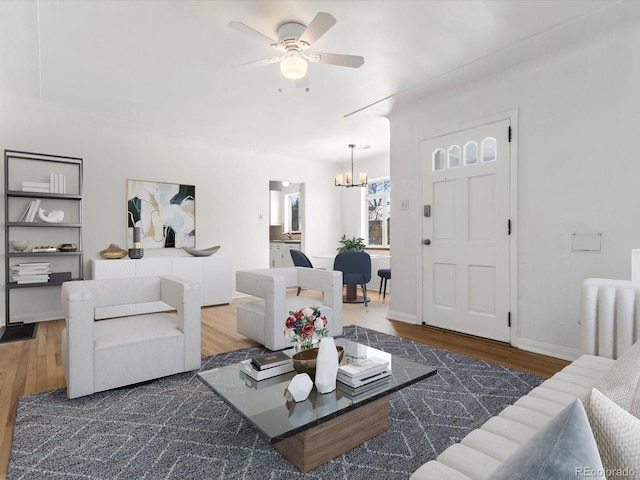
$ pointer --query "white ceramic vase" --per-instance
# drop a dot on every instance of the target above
(327, 366)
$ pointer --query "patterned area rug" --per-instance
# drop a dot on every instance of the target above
(177, 428)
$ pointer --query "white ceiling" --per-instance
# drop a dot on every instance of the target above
(168, 64)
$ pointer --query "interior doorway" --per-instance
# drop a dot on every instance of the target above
(286, 221)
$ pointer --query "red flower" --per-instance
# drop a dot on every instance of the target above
(307, 330)
(324, 320)
(298, 314)
(289, 322)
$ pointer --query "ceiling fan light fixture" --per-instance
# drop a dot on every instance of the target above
(293, 67)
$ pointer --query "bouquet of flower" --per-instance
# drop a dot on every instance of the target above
(302, 324)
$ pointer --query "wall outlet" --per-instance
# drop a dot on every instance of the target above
(404, 204)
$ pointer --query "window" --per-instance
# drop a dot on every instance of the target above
(291, 209)
(378, 212)
(453, 156)
(471, 154)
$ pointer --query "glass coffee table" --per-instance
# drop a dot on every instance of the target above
(324, 426)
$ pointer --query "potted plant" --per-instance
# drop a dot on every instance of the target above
(351, 244)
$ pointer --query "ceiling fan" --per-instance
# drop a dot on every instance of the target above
(293, 40)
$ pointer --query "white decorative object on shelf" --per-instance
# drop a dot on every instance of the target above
(300, 387)
(55, 216)
(327, 365)
(19, 245)
(201, 253)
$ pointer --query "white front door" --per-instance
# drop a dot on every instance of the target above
(466, 285)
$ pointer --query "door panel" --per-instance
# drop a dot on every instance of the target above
(466, 284)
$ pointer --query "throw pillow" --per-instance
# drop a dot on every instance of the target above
(563, 448)
(617, 434)
(621, 383)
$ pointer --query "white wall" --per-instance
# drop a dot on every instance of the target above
(579, 170)
(232, 184)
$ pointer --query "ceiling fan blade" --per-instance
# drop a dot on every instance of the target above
(257, 63)
(317, 28)
(250, 32)
(353, 61)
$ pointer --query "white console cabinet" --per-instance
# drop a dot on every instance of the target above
(212, 273)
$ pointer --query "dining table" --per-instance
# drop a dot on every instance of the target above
(352, 289)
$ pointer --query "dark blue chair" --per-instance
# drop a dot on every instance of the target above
(384, 274)
(300, 260)
(356, 270)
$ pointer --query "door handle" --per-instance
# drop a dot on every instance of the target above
(426, 241)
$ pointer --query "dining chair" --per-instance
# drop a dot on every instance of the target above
(384, 274)
(300, 260)
(356, 270)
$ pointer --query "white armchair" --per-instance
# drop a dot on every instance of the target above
(110, 353)
(264, 320)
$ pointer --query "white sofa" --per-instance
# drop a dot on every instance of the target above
(264, 320)
(105, 354)
(610, 326)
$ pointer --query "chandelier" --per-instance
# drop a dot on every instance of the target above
(348, 176)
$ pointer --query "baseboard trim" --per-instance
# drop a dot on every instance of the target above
(548, 349)
(37, 317)
(402, 317)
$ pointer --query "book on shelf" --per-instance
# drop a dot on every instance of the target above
(33, 210)
(45, 279)
(57, 183)
(363, 368)
(360, 382)
(270, 360)
(249, 370)
(42, 187)
(25, 215)
(32, 264)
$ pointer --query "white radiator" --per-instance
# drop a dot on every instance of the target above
(610, 316)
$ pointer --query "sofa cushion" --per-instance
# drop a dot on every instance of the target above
(621, 382)
(556, 451)
(617, 434)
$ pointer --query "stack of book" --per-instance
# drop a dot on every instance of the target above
(363, 372)
(41, 187)
(267, 366)
(31, 272)
(57, 184)
(30, 213)
(364, 391)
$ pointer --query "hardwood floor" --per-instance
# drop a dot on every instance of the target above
(31, 366)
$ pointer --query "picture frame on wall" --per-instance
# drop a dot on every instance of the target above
(165, 213)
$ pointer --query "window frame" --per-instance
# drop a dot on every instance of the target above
(288, 206)
(385, 197)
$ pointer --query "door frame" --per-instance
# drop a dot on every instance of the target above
(512, 116)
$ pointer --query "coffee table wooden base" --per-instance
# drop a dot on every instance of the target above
(315, 446)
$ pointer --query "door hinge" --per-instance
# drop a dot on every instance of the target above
(509, 319)
(509, 227)
(509, 133)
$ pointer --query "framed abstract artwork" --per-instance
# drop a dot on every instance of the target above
(165, 213)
